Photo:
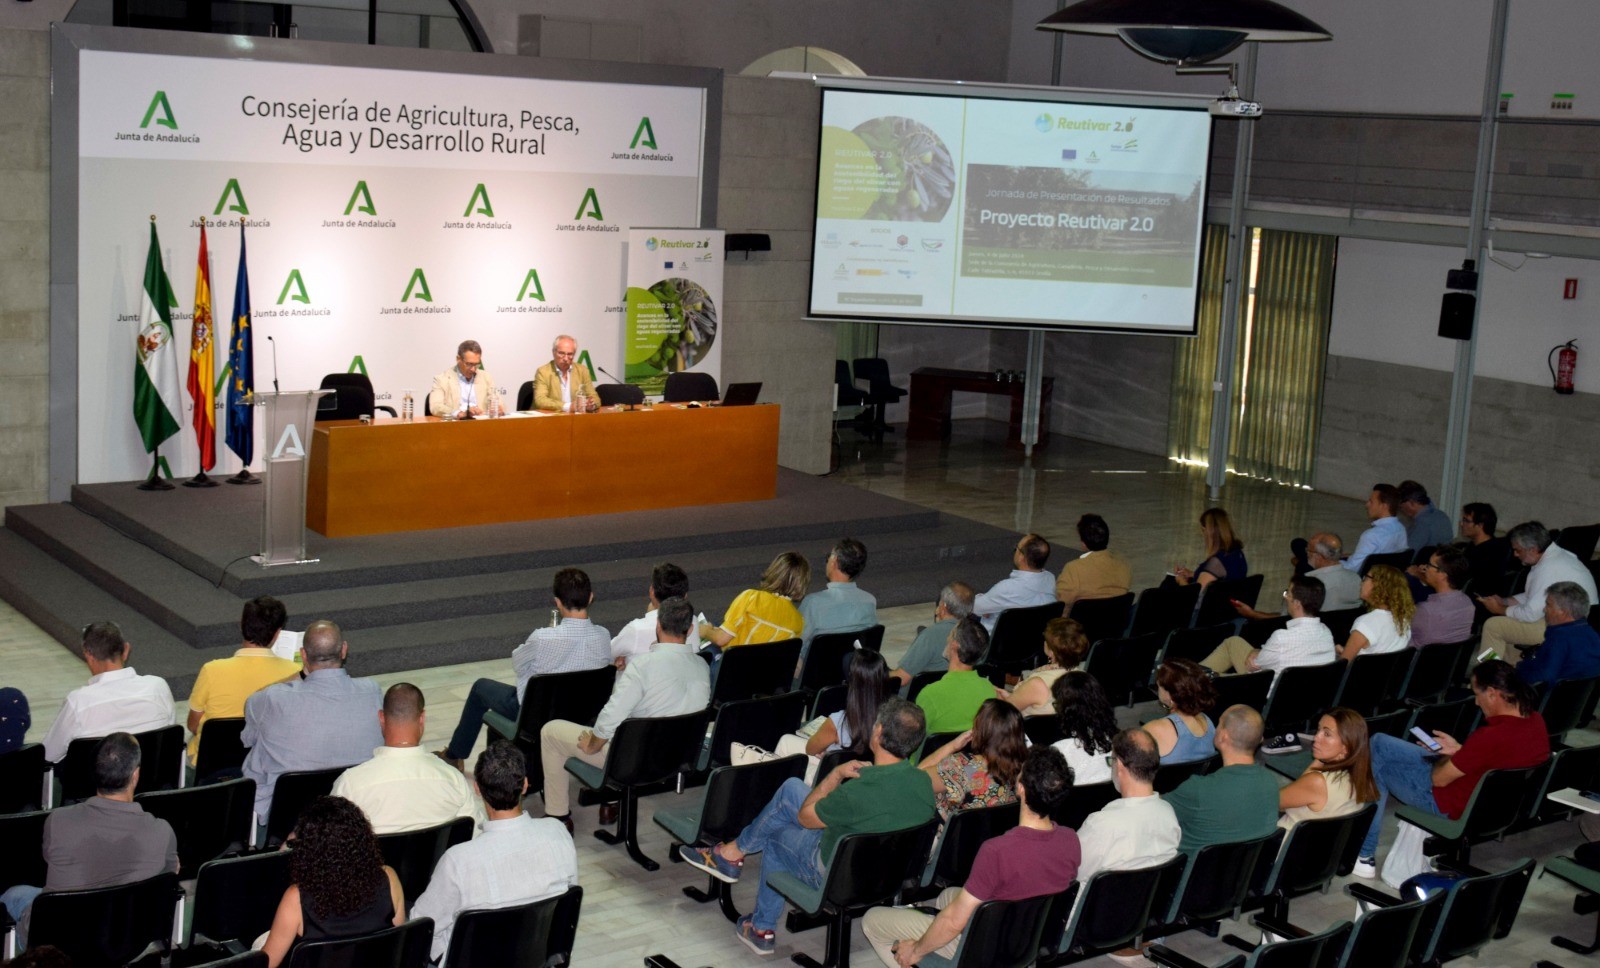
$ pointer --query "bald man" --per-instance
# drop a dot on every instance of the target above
(404, 787)
(1237, 802)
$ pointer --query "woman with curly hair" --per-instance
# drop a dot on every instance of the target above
(1065, 647)
(339, 886)
(1386, 625)
(1224, 552)
(1186, 732)
(979, 768)
(1339, 779)
(1088, 725)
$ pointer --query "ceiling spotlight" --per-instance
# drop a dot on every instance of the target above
(1185, 32)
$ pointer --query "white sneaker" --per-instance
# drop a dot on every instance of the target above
(1132, 961)
(1366, 868)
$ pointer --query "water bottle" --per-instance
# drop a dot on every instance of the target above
(407, 407)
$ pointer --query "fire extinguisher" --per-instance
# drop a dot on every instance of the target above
(1561, 371)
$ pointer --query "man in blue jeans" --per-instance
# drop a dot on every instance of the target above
(797, 830)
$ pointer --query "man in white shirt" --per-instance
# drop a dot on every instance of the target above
(1387, 534)
(1027, 585)
(1341, 587)
(669, 680)
(666, 581)
(1304, 641)
(516, 859)
(1138, 830)
(116, 700)
(403, 787)
(1519, 620)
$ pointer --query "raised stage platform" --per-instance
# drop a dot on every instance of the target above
(173, 569)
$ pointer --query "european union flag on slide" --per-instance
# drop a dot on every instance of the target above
(241, 367)
(1068, 154)
(666, 265)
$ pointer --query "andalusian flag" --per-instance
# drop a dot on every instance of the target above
(241, 368)
(203, 364)
(155, 374)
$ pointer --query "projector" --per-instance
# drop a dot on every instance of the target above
(1232, 107)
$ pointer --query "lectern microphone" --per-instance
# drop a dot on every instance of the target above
(274, 363)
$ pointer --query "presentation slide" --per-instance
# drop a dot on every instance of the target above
(1040, 214)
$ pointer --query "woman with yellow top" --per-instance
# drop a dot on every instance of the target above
(767, 613)
(224, 684)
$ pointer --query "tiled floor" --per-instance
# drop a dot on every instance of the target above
(1151, 505)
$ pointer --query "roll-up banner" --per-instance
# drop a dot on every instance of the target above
(674, 305)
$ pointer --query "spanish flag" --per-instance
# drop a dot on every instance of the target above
(202, 364)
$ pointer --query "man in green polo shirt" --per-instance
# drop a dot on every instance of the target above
(952, 703)
(799, 827)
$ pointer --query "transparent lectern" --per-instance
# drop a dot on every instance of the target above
(290, 419)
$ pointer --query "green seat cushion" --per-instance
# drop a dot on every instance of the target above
(1574, 873)
(500, 724)
(1290, 765)
(590, 776)
(800, 894)
(682, 820)
(1433, 823)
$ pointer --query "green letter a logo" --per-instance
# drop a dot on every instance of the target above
(531, 287)
(644, 134)
(590, 206)
(482, 209)
(166, 120)
(358, 365)
(232, 188)
(418, 286)
(298, 285)
(365, 198)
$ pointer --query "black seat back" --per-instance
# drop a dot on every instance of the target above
(869, 869)
(220, 749)
(1579, 539)
(22, 779)
(756, 670)
(1301, 694)
(1398, 560)
(1164, 608)
(1115, 909)
(404, 947)
(736, 794)
(1246, 689)
(685, 387)
(1017, 642)
(1341, 621)
(617, 394)
(576, 697)
(1500, 800)
(830, 700)
(755, 722)
(1084, 800)
(525, 396)
(1476, 910)
(235, 898)
(1392, 723)
(1004, 934)
(921, 681)
(1374, 678)
(209, 821)
(831, 760)
(291, 793)
(414, 853)
(22, 860)
(1574, 768)
(1314, 852)
(964, 833)
(1433, 670)
(932, 742)
(824, 661)
(161, 758)
(850, 395)
(1196, 643)
(1310, 949)
(1257, 631)
(538, 934)
(1216, 601)
(1124, 666)
(1384, 936)
(648, 750)
(1103, 618)
(1170, 776)
(875, 370)
(1042, 730)
(1454, 718)
(125, 920)
(1219, 877)
(1562, 705)
(353, 396)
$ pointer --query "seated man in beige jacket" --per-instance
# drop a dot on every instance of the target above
(558, 385)
(464, 388)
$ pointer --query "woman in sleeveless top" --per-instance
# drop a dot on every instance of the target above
(1339, 779)
(1065, 648)
(1186, 732)
(339, 886)
(852, 726)
(1087, 726)
(1224, 552)
(1386, 625)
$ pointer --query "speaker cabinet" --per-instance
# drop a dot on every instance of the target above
(1455, 315)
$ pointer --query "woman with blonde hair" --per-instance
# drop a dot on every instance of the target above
(1224, 552)
(1066, 645)
(1386, 625)
(1339, 779)
(769, 612)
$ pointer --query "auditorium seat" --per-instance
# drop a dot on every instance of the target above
(880, 390)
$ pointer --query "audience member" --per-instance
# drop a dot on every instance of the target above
(797, 830)
(1138, 829)
(403, 788)
(15, 719)
(1571, 647)
(1036, 858)
(1428, 526)
(223, 685)
(767, 613)
(1065, 648)
(1488, 557)
(516, 859)
(104, 841)
(669, 680)
(574, 644)
(842, 606)
(666, 581)
(1386, 625)
(979, 768)
(1339, 779)
(1341, 587)
(926, 653)
(851, 727)
(1237, 802)
(1304, 641)
(1185, 733)
(1097, 573)
(117, 699)
(1224, 552)
(1519, 620)
(1027, 586)
(951, 703)
(1446, 614)
(1512, 736)
(1386, 535)
(326, 720)
(339, 886)
(1087, 726)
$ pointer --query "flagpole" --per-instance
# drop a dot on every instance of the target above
(154, 481)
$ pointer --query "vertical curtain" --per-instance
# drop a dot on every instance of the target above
(1194, 364)
(855, 341)
(1275, 425)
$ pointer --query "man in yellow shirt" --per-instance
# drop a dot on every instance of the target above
(224, 684)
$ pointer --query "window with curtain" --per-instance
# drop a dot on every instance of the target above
(1280, 360)
(855, 341)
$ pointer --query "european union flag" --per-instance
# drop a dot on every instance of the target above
(241, 368)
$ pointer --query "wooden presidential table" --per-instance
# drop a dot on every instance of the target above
(928, 416)
(400, 475)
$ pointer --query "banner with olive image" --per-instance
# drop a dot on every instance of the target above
(674, 300)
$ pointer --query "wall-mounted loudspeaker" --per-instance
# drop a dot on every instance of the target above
(1455, 315)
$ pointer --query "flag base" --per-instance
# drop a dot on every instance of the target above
(200, 480)
(244, 477)
(155, 483)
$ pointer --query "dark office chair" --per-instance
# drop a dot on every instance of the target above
(684, 387)
(525, 395)
(619, 394)
(850, 395)
(880, 392)
(353, 396)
